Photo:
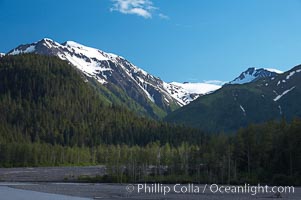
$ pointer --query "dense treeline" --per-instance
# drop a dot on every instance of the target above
(268, 153)
(49, 116)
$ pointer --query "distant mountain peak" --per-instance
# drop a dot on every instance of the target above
(253, 74)
(2, 54)
(87, 59)
(47, 39)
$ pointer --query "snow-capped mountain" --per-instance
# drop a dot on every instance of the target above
(111, 71)
(118, 74)
(253, 74)
(2, 54)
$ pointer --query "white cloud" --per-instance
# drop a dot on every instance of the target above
(141, 8)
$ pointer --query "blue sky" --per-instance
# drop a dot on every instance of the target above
(176, 40)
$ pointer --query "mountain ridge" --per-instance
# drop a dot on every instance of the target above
(128, 85)
(115, 73)
(124, 78)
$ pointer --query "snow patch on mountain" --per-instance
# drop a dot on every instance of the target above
(284, 93)
(289, 76)
(88, 51)
(280, 109)
(29, 49)
(188, 92)
(197, 88)
(292, 73)
(243, 110)
(2, 54)
(273, 70)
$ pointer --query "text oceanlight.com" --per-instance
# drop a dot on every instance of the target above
(212, 188)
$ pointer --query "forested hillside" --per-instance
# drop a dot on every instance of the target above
(45, 99)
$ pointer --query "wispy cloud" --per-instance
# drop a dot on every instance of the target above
(142, 8)
(215, 82)
(162, 16)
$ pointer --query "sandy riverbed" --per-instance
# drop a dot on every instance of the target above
(51, 180)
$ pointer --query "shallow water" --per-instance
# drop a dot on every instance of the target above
(8, 193)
